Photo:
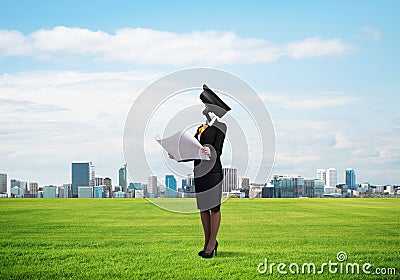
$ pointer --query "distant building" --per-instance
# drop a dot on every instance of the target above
(119, 194)
(108, 183)
(230, 180)
(98, 191)
(152, 189)
(184, 183)
(33, 188)
(170, 183)
(321, 175)
(288, 186)
(329, 190)
(122, 178)
(350, 178)
(23, 186)
(16, 192)
(50, 191)
(314, 187)
(139, 194)
(267, 191)
(243, 183)
(331, 177)
(366, 187)
(98, 181)
(64, 191)
(3, 183)
(83, 175)
(85, 192)
(136, 186)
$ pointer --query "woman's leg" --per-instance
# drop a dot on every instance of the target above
(206, 222)
(215, 222)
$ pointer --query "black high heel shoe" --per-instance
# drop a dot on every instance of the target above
(211, 254)
(200, 253)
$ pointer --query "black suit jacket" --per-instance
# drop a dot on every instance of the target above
(213, 137)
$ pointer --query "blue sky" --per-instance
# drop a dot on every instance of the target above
(327, 71)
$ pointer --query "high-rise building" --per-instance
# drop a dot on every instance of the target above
(230, 180)
(350, 178)
(152, 189)
(3, 183)
(108, 182)
(98, 181)
(122, 178)
(83, 175)
(33, 188)
(321, 175)
(331, 177)
(171, 188)
(170, 182)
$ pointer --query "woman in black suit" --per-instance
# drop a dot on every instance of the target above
(208, 173)
(208, 183)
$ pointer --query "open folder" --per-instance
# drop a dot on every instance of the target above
(183, 146)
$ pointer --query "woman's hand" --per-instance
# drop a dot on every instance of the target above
(206, 150)
(170, 156)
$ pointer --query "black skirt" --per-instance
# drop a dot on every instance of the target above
(209, 191)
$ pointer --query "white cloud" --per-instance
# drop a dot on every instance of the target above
(314, 47)
(343, 142)
(148, 46)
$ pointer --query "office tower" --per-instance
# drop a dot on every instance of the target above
(98, 181)
(3, 183)
(351, 178)
(230, 180)
(171, 188)
(321, 175)
(122, 178)
(170, 182)
(33, 188)
(152, 189)
(108, 182)
(331, 177)
(83, 175)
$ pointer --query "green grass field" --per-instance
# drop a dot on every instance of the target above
(133, 239)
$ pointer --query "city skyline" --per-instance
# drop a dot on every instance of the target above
(327, 73)
(85, 176)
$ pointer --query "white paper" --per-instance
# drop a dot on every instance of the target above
(183, 146)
